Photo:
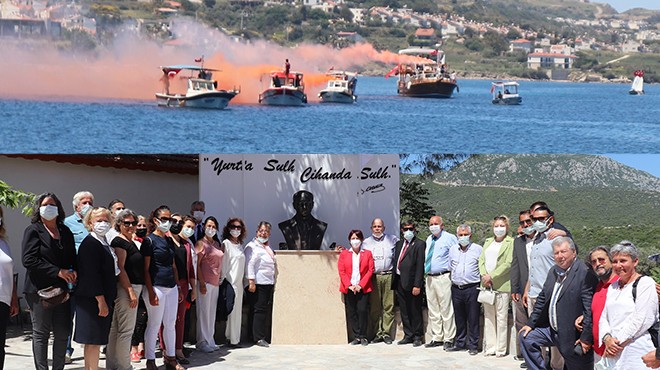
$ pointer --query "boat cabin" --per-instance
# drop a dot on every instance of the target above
(505, 93)
(293, 79)
(197, 84)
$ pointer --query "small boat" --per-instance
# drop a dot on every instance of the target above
(284, 90)
(425, 76)
(505, 93)
(202, 91)
(637, 87)
(341, 88)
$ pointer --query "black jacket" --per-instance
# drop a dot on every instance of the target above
(412, 264)
(96, 275)
(519, 266)
(43, 256)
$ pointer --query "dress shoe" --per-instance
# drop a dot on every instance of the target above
(447, 345)
(473, 352)
(355, 342)
(405, 341)
(377, 340)
(518, 358)
(364, 341)
(262, 343)
(387, 340)
(417, 343)
(432, 344)
(523, 365)
(456, 349)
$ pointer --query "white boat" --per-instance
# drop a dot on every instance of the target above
(284, 90)
(340, 89)
(425, 76)
(637, 87)
(505, 93)
(202, 91)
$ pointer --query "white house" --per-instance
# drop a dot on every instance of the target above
(550, 61)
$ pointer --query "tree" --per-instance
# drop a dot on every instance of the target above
(513, 34)
(16, 199)
(346, 14)
(415, 201)
(209, 3)
(429, 164)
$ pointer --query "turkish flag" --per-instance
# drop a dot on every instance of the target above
(172, 72)
(199, 60)
(393, 71)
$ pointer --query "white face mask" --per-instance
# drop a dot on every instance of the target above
(210, 232)
(117, 212)
(434, 229)
(355, 243)
(83, 211)
(529, 230)
(499, 231)
(235, 233)
(199, 215)
(48, 212)
(464, 240)
(262, 240)
(540, 226)
(164, 226)
(408, 235)
(188, 232)
(101, 228)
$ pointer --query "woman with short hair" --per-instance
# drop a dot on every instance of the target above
(631, 308)
(49, 255)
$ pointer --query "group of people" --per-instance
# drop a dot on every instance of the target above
(127, 280)
(590, 314)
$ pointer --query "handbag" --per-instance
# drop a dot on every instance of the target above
(486, 296)
(52, 296)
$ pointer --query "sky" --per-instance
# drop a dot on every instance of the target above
(623, 5)
(645, 162)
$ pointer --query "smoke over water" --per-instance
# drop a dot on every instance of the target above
(128, 69)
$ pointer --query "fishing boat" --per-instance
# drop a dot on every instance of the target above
(505, 93)
(637, 87)
(340, 89)
(284, 89)
(202, 91)
(424, 75)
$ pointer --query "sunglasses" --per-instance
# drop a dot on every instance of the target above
(165, 219)
(236, 227)
(524, 222)
(129, 223)
(408, 228)
(539, 219)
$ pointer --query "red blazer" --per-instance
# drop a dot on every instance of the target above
(345, 266)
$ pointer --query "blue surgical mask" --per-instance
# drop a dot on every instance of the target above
(434, 229)
(262, 240)
(48, 212)
(164, 226)
(83, 211)
(408, 235)
(529, 230)
(464, 240)
(188, 232)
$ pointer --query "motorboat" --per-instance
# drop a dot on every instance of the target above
(637, 87)
(202, 91)
(340, 89)
(424, 74)
(505, 93)
(284, 89)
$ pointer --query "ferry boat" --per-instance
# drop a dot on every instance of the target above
(505, 93)
(202, 91)
(340, 89)
(637, 87)
(284, 90)
(425, 76)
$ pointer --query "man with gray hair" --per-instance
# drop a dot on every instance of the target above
(566, 295)
(465, 278)
(83, 202)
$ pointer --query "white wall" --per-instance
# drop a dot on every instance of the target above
(142, 191)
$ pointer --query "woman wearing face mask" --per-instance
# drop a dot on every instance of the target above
(160, 293)
(8, 297)
(140, 230)
(48, 256)
(97, 286)
(495, 268)
(209, 270)
(260, 267)
(129, 287)
(233, 269)
(356, 267)
(137, 340)
(181, 230)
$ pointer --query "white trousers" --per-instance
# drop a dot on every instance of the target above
(233, 331)
(496, 328)
(441, 310)
(118, 352)
(165, 314)
(206, 310)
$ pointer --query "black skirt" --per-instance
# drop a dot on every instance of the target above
(90, 327)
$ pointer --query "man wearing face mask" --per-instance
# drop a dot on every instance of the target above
(83, 202)
(407, 281)
(566, 294)
(522, 247)
(381, 246)
(465, 278)
(197, 211)
(115, 206)
(438, 284)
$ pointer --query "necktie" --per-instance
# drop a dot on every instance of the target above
(403, 252)
(429, 257)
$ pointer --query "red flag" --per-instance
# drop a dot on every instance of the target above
(331, 68)
(199, 60)
(172, 72)
(434, 52)
(393, 71)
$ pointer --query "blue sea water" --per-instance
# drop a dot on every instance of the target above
(555, 117)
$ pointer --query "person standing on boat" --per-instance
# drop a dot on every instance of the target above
(287, 69)
(166, 82)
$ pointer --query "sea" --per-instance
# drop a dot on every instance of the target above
(555, 117)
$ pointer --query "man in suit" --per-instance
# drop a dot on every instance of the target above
(197, 212)
(303, 231)
(566, 295)
(407, 282)
(520, 273)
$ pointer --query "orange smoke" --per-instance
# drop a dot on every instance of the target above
(129, 68)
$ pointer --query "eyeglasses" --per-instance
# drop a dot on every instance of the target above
(129, 223)
(236, 227)
(410, 228)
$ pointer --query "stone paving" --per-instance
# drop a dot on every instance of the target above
(373, 356)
